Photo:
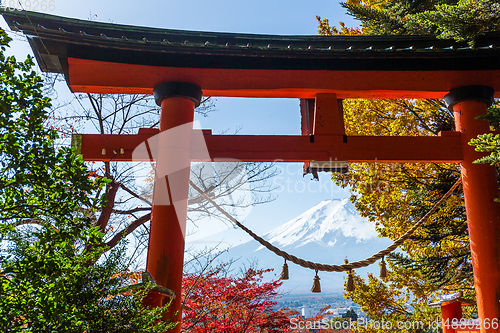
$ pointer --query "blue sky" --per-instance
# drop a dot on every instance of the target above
(250, 116)
(257, 16)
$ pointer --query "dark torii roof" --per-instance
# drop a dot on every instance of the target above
(105, 57)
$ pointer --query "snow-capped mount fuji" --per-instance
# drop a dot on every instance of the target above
(327, 233)
(327, 223)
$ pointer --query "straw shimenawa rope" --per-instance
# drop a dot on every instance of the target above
(325, 267)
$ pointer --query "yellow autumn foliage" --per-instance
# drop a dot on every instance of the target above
(394, 197)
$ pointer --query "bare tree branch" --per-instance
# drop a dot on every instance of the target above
(106, 212)
(131, 211)
(135, 195)
(125, 232)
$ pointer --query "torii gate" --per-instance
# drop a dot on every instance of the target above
(180, 66)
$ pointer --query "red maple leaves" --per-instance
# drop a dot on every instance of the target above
(215, 302)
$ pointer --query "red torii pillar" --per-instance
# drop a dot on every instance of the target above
(451, 313)
(480, 190)
(168, 221)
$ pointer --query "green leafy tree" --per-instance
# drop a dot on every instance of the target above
(351, 314)
(55, 274)
(489, 142)
(462, 20)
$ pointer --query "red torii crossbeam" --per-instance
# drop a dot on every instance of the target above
(446, 148)
(178, 66)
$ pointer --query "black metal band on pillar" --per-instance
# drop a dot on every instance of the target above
(177, 89)
(468, 93)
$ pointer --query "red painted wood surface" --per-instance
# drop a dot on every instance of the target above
(108, 77)
(444, 148)
(483, 213)
(168, 222)
(448, 313)
(328, 118)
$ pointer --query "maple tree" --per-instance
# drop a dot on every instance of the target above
(217, 302)
(214, 300)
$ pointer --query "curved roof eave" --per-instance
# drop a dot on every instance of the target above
(91, 53)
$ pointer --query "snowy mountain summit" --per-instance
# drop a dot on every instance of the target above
(327, 233)
(327, 223)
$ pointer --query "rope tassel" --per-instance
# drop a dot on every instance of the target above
(284, 271)
(316, 288)
(383, 269)
(350, 281)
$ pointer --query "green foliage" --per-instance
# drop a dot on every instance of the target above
(35, 180)
(350, 314)
(462, 20)
(380, 19)
(493, 116)
(55, 274)
(489, 143)
(50, 285)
